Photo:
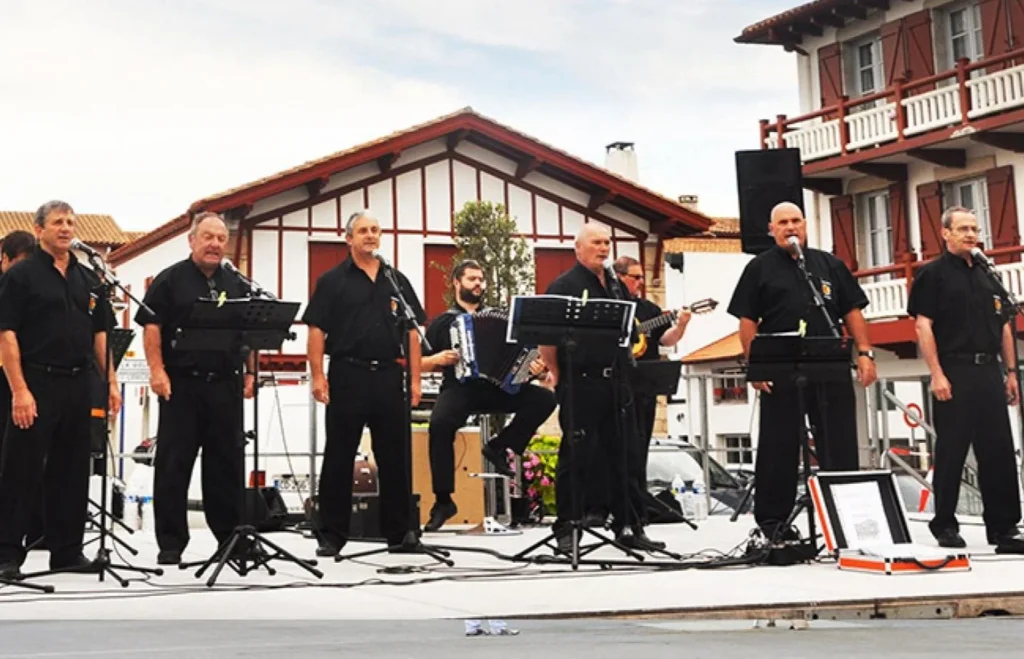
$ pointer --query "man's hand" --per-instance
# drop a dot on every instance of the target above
(321, 394)
(866, 373)
(248, 385)
(766, 387)
(448, 357)
(683, 319)
(160, 383)
(941, 388)
(537, 367)
(114, 403)
(1012, 389)
(417, 393)
(23, 409)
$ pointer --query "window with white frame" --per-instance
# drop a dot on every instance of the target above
(971, 194)
(876, 223)
(964, 29)
(729, 388)
(738, 449)
(865, 71)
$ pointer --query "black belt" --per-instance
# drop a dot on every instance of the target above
(975, 358)
(370, 364)
(205, 376)
(66, 371)
(593, 372)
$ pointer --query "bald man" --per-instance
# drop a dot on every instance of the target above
(772, 297)
(602, 411)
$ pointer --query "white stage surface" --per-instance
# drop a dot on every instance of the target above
(482, 586)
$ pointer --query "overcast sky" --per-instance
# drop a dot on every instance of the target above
(136, 108)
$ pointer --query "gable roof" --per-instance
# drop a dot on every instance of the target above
(91, 229)
(668, 216)
(727, 347)
(787, 28)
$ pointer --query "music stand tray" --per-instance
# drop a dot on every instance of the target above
(801, 361)
(655, 378)
(120, 340)
(240, 326)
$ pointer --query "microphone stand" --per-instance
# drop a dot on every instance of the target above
(989, 269)
(102, 563)
(407, 321)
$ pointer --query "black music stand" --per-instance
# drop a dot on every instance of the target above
(546, 320)
(240, 326)
(801, 361)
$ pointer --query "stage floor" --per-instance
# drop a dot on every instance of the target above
(482, 586)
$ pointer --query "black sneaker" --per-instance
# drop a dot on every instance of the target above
(439, 514)
(77, 564)
(11, 571)
(499, 459)
(1010, 542)
(950, 539)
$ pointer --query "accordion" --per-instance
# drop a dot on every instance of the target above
(486, 354)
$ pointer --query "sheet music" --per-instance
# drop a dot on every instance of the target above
(861, 514)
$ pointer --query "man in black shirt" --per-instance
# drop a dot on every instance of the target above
(961, 321)
(354, 318)
(52, 331)
(602, 413)
(773, 297)
(199, 394)
(532, 405)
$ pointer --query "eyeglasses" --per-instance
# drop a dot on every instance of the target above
(635, 277)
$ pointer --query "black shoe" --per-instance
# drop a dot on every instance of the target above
(595, 520)
(11, 571)
(409, 544)
(439, 514)
(950, 539)
(77, 564)
(645, 539)
(563, 542)
(328, 549)
(636, 539)
(499, 459)
(1009, 542)
(168, 557)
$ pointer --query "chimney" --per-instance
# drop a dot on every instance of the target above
(620, 157)
(689, 201)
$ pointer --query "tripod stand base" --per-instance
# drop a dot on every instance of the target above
(576, 530)
(407, 548)
(18, 583)
(250, 542)
(102, 566)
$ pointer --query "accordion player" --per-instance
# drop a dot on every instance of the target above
(485, 353)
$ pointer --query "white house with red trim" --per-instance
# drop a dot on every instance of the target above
(288, 228)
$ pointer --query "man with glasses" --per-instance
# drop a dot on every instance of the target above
(532, 405)
(962, 330)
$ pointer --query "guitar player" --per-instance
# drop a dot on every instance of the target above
(631, 273)
(532, 405)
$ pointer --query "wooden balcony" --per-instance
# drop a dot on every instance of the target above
(888, 289)
(961, 103)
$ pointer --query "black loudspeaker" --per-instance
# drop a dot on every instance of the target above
(265, 509)
(765, 178)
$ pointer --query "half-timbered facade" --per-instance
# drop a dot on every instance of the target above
(906, 108)
(288, 228)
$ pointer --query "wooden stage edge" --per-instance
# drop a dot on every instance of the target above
(931, 607)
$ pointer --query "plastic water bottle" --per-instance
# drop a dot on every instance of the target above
(679, 493)
(700, 501)
(146, 514)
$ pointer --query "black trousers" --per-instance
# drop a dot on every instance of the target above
(363, 398)
(531, 406)
(605, 422)
(199, 415)
(52, 455)
(832, 411)
(976, 415)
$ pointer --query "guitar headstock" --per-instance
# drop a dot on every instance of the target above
(707, 305)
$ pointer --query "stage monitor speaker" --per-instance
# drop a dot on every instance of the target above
(765, 178)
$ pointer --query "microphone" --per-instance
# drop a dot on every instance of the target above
(979, 257)
(383, 261)
(230, 267)
(82, 247)
(794, 244)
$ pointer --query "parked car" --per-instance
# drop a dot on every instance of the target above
(669, 457)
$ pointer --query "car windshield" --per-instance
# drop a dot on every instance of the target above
(664, 464)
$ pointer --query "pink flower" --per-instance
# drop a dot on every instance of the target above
(532, 492)
(545, 481)
(535, 460)
(529, 475)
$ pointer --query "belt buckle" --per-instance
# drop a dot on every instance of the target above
(606, 372)
(980, 358)
(373, 364)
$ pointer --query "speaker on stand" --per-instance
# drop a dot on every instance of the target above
(764, 178)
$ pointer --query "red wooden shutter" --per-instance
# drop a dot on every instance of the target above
(844, 244)
(893, 52)
(830, 74)
(929, 215)
(995, 28)
(1016, 24)
(323, 257)
(549, 263)
(437, 264)
(920, 55)
(1002, 208)
(900, 229)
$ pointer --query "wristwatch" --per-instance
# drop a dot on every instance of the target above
(870, 354)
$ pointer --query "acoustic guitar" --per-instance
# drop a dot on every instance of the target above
(644, 329)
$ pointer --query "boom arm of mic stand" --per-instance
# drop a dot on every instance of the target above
(819, 301)
(106, 276)
(407, 311)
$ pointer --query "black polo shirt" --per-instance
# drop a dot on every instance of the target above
(967, 310)
(54, 316)
(646, 310)
(171, 296)
(360, 316)
(573, 283)
(773, 292)
(440, 338)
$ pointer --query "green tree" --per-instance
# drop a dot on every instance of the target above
(485, 233)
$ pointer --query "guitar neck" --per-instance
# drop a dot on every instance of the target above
(662, 320)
